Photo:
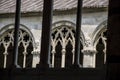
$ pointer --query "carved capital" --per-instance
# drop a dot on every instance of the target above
(63, 51)
(35, 52)
(5, 53)
(53, 51)
(89, 51)
(25, 53)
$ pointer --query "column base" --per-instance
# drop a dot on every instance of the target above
(42, 66)
(76, 66)
(15, 66)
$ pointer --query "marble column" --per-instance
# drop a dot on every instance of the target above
(89, 55)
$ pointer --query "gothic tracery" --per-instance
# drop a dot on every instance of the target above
(6, 42)
(63, 37)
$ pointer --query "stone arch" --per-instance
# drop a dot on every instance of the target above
(63, 42)
(26, 45)
(101, 28)
(23, 27)
(99, 42)
(69, 24)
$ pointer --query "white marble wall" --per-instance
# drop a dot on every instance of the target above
(89, 23)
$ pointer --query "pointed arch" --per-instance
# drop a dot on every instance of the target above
(63, 33)
(26, 44)
(68, 24)
(99, 42)
(102, 27)
(22, 27)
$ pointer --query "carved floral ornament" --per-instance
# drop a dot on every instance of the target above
(88, 48)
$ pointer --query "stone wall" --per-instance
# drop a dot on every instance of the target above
(90, 22)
